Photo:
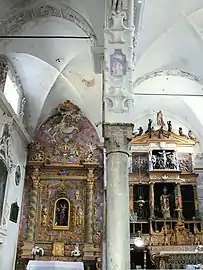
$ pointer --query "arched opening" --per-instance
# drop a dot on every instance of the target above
(11, 93)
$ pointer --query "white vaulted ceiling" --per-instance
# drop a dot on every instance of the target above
(169, 57)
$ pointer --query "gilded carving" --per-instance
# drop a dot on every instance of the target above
(180, 235)
(44, 216)
(58, 249)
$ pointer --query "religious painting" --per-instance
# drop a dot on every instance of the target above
(118, 64)
(61, 214)
(58, 249)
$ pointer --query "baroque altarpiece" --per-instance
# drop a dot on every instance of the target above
(163, 199)
(62, 210)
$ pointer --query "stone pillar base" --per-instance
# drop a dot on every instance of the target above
(27, 250)
(88, 252)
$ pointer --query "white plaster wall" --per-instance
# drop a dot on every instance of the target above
(13, 194)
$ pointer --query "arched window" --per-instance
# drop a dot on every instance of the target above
(12, 93)
(3, 179)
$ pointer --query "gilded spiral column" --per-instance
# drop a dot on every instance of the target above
(89, 224)
(33, 205)
(89, 216)
(131, 195)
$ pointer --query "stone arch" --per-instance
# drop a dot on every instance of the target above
(171, 72)
(17, 19)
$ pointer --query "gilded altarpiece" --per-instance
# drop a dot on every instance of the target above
(63, 194)
(163, 200)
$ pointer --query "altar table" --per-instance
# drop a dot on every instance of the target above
(54, 265)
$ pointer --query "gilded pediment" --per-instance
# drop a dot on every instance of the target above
(161, 135)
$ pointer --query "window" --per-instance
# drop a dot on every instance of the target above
(11, 93)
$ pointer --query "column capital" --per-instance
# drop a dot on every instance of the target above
(117, 137)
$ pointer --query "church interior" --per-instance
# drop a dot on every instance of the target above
(101, 144)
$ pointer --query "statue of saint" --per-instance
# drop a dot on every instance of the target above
(160, 119)
(44, 216)
(165, 205)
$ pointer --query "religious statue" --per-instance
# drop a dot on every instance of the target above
(191, 135)
(139, 133)
(150, 128)
(165, 205)
(79, 216)
(61, 213)
(161, 133)
(169, 126)
(160, 119)
(116, 5)
(181, 132)
(44, 216)
(171, 162)
(180, 235)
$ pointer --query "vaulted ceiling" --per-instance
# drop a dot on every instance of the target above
(169, 56)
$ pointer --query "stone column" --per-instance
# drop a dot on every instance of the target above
(117, 138)
(131, 199)
(33, 205)
(151, 199)
(89, 246)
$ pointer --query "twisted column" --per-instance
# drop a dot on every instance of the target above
(33, 205)
(89, 224)
(90, 208)
(131, 200)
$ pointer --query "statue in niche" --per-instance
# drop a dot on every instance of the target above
(160, 119)
(79, 216)
(165, 204)
(44, 216)
(150, 128)
(61, 213)
(169, 126)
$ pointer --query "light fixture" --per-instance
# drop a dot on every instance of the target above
(139, 241)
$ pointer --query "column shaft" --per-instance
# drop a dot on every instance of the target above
(131, 200)
(151, 199)
(89, 217)
(179, 201)
(117, 137)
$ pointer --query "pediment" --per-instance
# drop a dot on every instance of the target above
(165, 136)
